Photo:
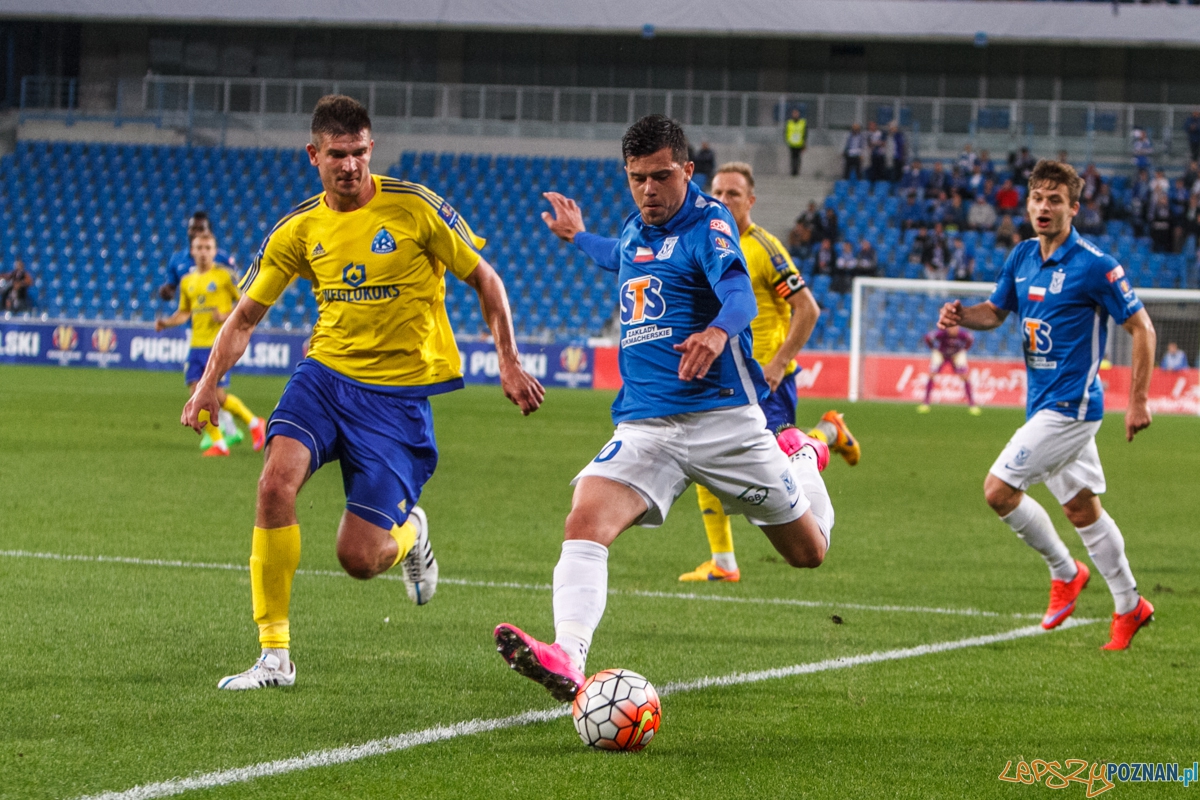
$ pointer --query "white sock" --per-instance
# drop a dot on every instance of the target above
(226, 423)
(1106, 546)
(1031, 522)
(282, 654)
(808, 476)
(726, 561)
(580, 593)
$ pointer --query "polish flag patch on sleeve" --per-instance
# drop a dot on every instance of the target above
(720, 225)
(1037, 293)
(1115, 274)
(643, 254)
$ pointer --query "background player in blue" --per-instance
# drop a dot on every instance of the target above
(180, 263)
(1065, 289)
(688, 408)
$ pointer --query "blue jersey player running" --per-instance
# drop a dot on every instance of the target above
(1065, 289)
(688, 410)
(181, 262)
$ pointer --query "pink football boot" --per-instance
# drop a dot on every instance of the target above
(792, 440)
(542, 663)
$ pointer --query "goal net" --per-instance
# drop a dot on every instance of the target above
(889, 359)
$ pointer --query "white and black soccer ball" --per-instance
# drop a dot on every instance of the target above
(617, 710)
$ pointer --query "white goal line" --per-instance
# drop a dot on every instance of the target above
(538, 587)
(405, 741)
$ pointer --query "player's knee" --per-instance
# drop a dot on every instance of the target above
(807, 559)
(584, 523)
(357, 564)
(275, 493)
(1001, 497)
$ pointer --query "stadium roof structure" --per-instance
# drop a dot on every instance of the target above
(929, 20)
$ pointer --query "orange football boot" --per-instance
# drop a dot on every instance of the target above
(845, 444)
(1124, 626)
(1062, 597)
(218, 449)
(258, 433)
(709, 571)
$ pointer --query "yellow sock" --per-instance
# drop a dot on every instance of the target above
(274, 556)
(234, 405)
(817, 433)
(405, 536)
(716, 524)
(213, 431)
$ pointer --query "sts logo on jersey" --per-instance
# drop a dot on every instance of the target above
(641, 300)
(1038, 342)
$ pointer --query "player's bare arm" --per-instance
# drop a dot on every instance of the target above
(1137, 416)
(519, 386)
(176, 319)
(805, 312)
(228, 347)
(983, 316)
(566, 219)
(700, 350)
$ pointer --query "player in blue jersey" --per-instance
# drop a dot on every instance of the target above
(181, 262)
(1065, 289)
(688, 408)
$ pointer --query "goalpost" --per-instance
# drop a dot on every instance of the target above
(889, 359)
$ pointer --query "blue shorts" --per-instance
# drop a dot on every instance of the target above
(197, 361)
(780, 405)
(385, 442)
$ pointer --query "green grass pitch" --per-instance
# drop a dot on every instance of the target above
(108, 670)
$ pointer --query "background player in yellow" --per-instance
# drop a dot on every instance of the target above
(206, 297)
(377, 251)
(787, 312)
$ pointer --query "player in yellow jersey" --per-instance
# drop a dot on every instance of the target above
(206, 297)
(377, 251)
(787, 313)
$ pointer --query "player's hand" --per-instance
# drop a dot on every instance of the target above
(160, 325)
(203, 399)
(773, 373)
(521, 388)
(700, 350)
(567, 219)
(166, 292)
(1137, 418)
(951, 314)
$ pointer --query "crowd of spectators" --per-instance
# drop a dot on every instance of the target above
(939, 201)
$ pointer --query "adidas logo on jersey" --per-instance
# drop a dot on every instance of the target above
(317, 251)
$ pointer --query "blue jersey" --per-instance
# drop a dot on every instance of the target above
(1064, 304)
(181, 264)
(666, 275)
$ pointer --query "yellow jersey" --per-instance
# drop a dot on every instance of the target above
(378, 274)
(202, 293)
(775, 279)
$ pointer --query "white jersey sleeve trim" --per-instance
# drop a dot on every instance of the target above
(743, 373)
(1091, 376)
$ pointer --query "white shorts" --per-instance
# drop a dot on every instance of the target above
(728, 451)
(1053, 449)
(937, 360)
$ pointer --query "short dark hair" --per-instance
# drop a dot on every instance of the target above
(1047, 172)
(339, 115)
(652, 133)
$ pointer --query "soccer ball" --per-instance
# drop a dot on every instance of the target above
(617, 710)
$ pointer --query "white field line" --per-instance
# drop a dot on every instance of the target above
(539, 587)
(404, 741)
